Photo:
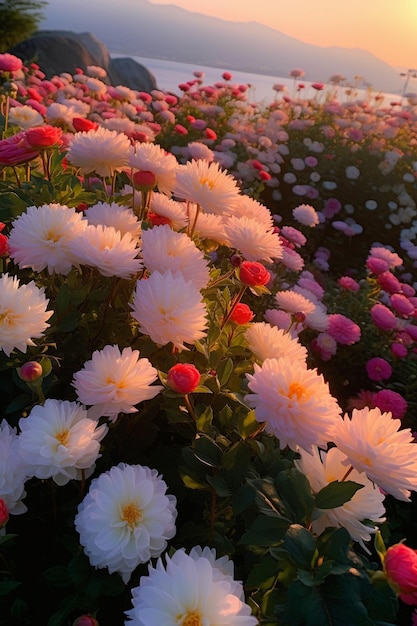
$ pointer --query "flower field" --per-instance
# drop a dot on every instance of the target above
(208, 354)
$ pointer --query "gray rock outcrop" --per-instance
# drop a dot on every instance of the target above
(57, 51)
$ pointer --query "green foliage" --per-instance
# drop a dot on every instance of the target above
(18, 20)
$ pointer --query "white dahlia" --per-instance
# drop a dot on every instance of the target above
(321, 469)
(175, 212)
(252, 209)
(59, 440)
(102, 151)
(126, 518)
(164, 249)
(40, 238)
(121, 217)
(113, 382)
(190, 590)
(252, 239)
(270, 342)
(375, 443)
(169, 309)
(207, 185)
(13, 472)
(23, 314)
(150, 157)
(105, 248)
(294, 402)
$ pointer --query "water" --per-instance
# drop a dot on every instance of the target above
(169, 74)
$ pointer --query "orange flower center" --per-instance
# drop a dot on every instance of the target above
(131, 514)
(296, 390)
(62, 437)
(206, 182)
(192, 619)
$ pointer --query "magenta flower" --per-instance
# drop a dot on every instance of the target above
(378, 369)
(383, 317)
(402, 304)
(389, 282)
(348, 283)
(10, 63)
(392, 402)
(344, 330)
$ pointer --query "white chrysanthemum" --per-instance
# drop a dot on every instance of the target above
(252, 209)
(164, 249)
(113, 382)
(306, 214)
(150, 157)
(105, 248)
(375, 444)
(191, 590)
(208, 225)
(58, 440)
(23, 314)
(293, 302)
(270, 342)
(294, 402)
(323, 468)
(126, 518)
(25, 117)
(175, 212)
(207, 185)
(102, 151)
(58, 113)
(121, 217)
(249, 237)
(13, 472)
(41, 237)
(169, 309)
(197, 150)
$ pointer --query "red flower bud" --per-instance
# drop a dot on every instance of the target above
(400, 566)
(85, 620)
(158, 220)
(183, 377)
(4, 513)
(41, 137)
(241, 314)
(144, 180)
(82, 124)
(30, 371)
(253, 274)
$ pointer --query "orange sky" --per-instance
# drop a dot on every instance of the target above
(384, 27)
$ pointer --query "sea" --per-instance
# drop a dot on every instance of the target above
(169, 74)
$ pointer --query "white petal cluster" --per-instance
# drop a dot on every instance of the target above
(252, 239)
(121, 217)
(150, 157)
(58, 440)
(126, 518)
(13, 472)
(270, 342)
(101, 151)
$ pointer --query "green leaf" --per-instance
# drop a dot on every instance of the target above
(266, 531)
(336, 494)
(219, 484)
(235, 463)
(224, 371)
(7, 586)
(263, 574)
(242, 499)
(300, 545)
(57, 576)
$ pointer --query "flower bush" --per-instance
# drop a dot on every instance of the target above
(208, 348)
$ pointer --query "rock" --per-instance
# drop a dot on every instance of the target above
(58, 51)
(126, 71)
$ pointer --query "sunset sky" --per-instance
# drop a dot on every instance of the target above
(386, 28)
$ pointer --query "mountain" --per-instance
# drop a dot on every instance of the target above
(140, 28)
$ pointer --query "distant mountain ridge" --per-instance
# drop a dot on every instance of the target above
(170, 32)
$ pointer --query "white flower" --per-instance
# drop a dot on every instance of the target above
(207, 185)
(169, 309)
(105, 248)
(12, 470)
(251, 208)
(23, 314)
(306, 214)
(25, 117)
(113, 382)
(208, 225)
(121, 217)
(175, 212)
(375, 443)
(321, 469)
(150, 157)
(126, 518)
(40, 238)
(269, 342)
(252, 239)
(191, 590)
(59, 440)
(295, 403)
(102, 151)
(164, 249)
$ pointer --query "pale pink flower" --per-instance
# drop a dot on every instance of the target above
(306, 214)
(175, 212)
(253, 240)
(102, 151)
(151, 157)
(121, 217)
(267, 342)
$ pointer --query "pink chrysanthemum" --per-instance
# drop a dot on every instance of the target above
(344, 330)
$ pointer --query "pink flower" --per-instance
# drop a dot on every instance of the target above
(376, 265)
(383, 317)
(31, 371)
(10, 63)
(378, 369)
(183, 378)
(348, 283)
(391, 402)
(400, 566)
(389, 282)
(85, 620)
(344, 330)
(253, 274)
(402, 304)
(398, 350)
(14, 150)
(4, 513)
(317, 86)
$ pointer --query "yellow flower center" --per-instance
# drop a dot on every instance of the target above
(131, 514)
(62, 437)
(4, 317)
(297, 390)
(52, 236)
(191, 619)
(206, 182)
(118, 384)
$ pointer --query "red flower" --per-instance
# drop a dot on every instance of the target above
(253, 274)
(183, 377)
(82, 124)
(401, 570)
(43, 136)
(241, 314)
(144, 180)
(30, 371)
(4, 513)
